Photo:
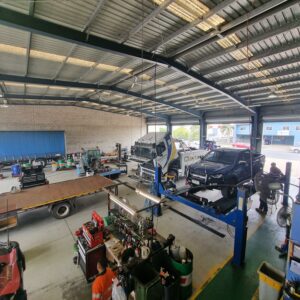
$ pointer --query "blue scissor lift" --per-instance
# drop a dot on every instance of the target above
(236, 217)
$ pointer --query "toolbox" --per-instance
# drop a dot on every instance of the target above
(92, 231)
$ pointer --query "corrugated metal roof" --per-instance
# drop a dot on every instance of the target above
(269, 68)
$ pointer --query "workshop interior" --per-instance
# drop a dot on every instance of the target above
(149, 149)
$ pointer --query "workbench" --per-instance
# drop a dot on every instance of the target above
(115, 248)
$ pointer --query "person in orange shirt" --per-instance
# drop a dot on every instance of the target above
(102, 285)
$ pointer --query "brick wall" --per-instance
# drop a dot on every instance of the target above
(83, 127)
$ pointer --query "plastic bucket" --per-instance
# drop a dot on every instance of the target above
(61, 163)
(186, 275)
(16, 170)
(26, 165)
(54, 167)
(69, 163)
(79, 170)
(147, 284)
(270, 282)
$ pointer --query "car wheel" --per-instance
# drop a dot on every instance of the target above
(296, 151)
(61, 210)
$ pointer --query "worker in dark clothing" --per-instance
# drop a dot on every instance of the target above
(102, 285)
(265, 192)
(275, 174)
(275, 171)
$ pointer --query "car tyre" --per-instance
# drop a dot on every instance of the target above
(61, 210)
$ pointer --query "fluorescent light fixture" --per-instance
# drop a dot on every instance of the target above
(4, 105)
(148, 196)
(272, 95)
(123, 205)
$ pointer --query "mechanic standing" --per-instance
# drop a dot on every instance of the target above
(274, 174)
(102, 285)
(263, 204)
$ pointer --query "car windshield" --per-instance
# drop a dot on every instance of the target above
(221, 156)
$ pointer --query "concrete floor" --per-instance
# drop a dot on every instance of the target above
(48, 243)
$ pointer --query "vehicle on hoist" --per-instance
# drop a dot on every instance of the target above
(224, 168)
(160, 149)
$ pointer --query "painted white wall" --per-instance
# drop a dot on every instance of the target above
(83, 127)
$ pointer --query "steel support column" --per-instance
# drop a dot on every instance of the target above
(256, 132)
(240, 237)
(203, 131)
(169, 126)
(286, 191)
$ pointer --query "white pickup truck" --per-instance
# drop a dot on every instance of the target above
(160, 149)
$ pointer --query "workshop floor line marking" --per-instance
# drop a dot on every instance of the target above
(212, 273)
(210, 276)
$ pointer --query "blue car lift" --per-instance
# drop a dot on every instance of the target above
(237, 217)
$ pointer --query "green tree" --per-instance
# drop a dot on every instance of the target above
(181, 133)
(226, 130)
(194, 133)
(162, 129)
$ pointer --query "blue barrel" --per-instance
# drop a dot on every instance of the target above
(16, 170)
(79, 170)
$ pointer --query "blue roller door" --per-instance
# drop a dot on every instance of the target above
(23, 144)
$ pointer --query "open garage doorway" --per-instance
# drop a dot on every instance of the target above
(189, 134)
(280, 144)
(230, 135)
(157, 128)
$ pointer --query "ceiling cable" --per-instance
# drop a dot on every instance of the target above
(142, 61)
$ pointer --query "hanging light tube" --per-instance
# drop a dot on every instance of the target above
(123, 205)
(148, 196)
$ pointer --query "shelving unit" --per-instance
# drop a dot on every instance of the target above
(293, 259)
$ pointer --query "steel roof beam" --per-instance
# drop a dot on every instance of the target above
(279, 95)
(31, 13)
(114, 73)
(147, 20)
(25, 103)
(264, 85)
(194, 23)
(80, 99)
(82, 85)
(84, 29)
(214, 86)
(266, 93)
(260, 55)
(210, 98)
(283, 62)
(43, 27)
(233, 84)
(275, 100)
(253, 40)
(137, 72)
(167, 90)
(240, 23)
(155, 100)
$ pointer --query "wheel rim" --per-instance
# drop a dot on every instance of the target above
(63, 210)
